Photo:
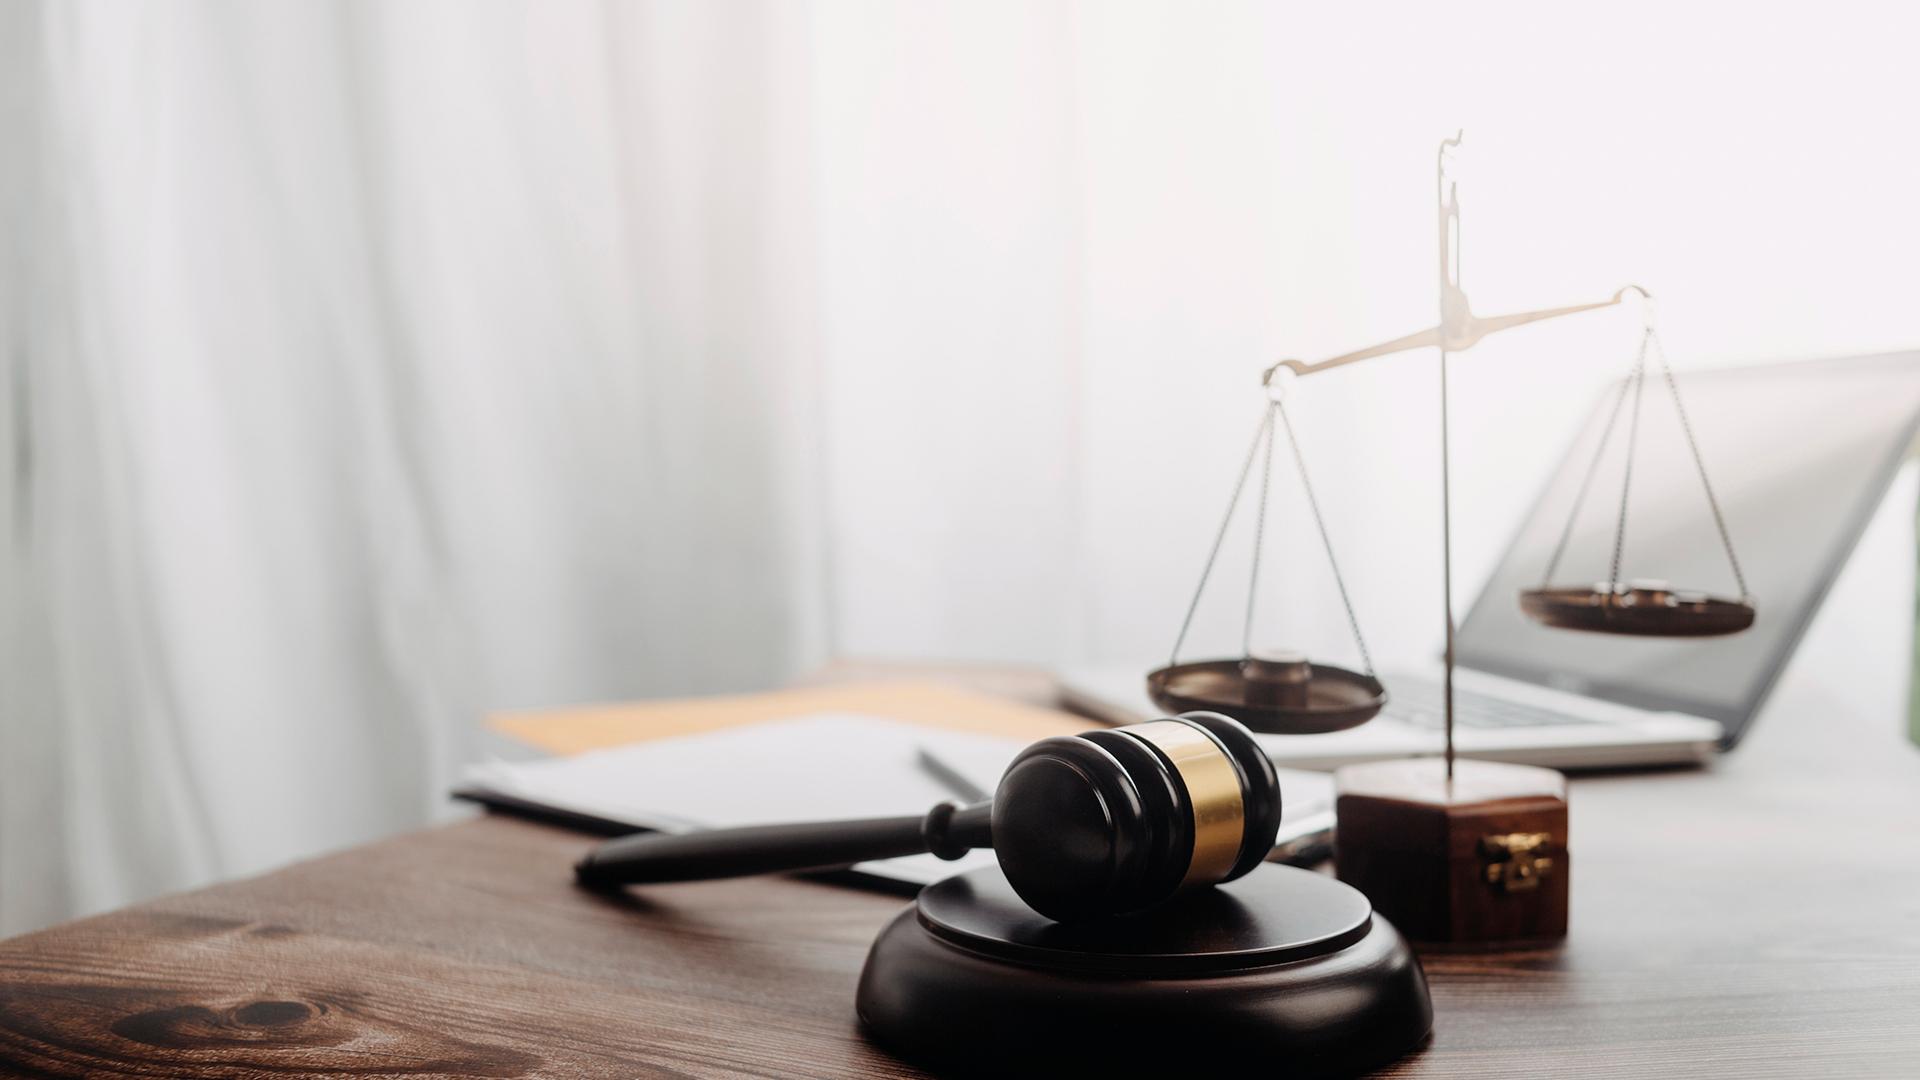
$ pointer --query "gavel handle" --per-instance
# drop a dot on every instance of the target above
(948, 830)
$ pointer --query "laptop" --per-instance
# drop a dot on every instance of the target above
(1800, 455)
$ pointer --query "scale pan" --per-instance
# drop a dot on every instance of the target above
(1638, 610)
(1337, 699)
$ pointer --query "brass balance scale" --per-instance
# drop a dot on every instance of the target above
(1461, 853)
(1286, 693)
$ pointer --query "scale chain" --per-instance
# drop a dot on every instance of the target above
(1233, 503)
(1586, 483)
(1699, 463)
(1639, 379)
(1635, 381)
(1300, 462)
(1259, 532)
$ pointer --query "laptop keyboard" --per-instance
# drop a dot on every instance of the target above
(1420, 704)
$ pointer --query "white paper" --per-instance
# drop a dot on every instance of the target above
(810, 768)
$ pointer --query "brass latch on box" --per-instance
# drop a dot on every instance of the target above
(1516, 861)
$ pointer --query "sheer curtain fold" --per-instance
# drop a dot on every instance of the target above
(367, 367)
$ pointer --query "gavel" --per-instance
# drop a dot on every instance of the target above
(1101, 823)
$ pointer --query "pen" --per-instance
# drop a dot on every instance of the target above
(951, 778)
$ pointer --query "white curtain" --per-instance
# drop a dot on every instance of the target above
(369, 366)
(372, 365)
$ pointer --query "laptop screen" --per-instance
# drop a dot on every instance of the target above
(1799, 455)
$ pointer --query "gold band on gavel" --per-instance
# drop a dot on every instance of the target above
(1213, 787)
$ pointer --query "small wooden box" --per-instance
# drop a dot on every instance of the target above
(1481, 859)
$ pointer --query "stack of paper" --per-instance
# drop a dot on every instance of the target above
(810, 768)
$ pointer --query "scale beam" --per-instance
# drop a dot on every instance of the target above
(1461, 335)
(1460, 329)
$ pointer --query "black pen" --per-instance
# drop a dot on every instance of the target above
(953, 779)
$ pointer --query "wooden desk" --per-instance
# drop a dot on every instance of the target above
(1761, 918)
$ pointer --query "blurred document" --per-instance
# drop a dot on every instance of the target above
(808, 768)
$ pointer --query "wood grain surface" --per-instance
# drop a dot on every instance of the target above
(1757, 919)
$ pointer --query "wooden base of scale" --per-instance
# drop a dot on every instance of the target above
(1477, 861)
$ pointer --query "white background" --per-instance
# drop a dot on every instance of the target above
(1061, 244)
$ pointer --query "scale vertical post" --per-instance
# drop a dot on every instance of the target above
(1446, 560)
(1463, 852)
(1449, 281)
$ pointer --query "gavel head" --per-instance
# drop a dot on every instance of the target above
(1113, 821)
